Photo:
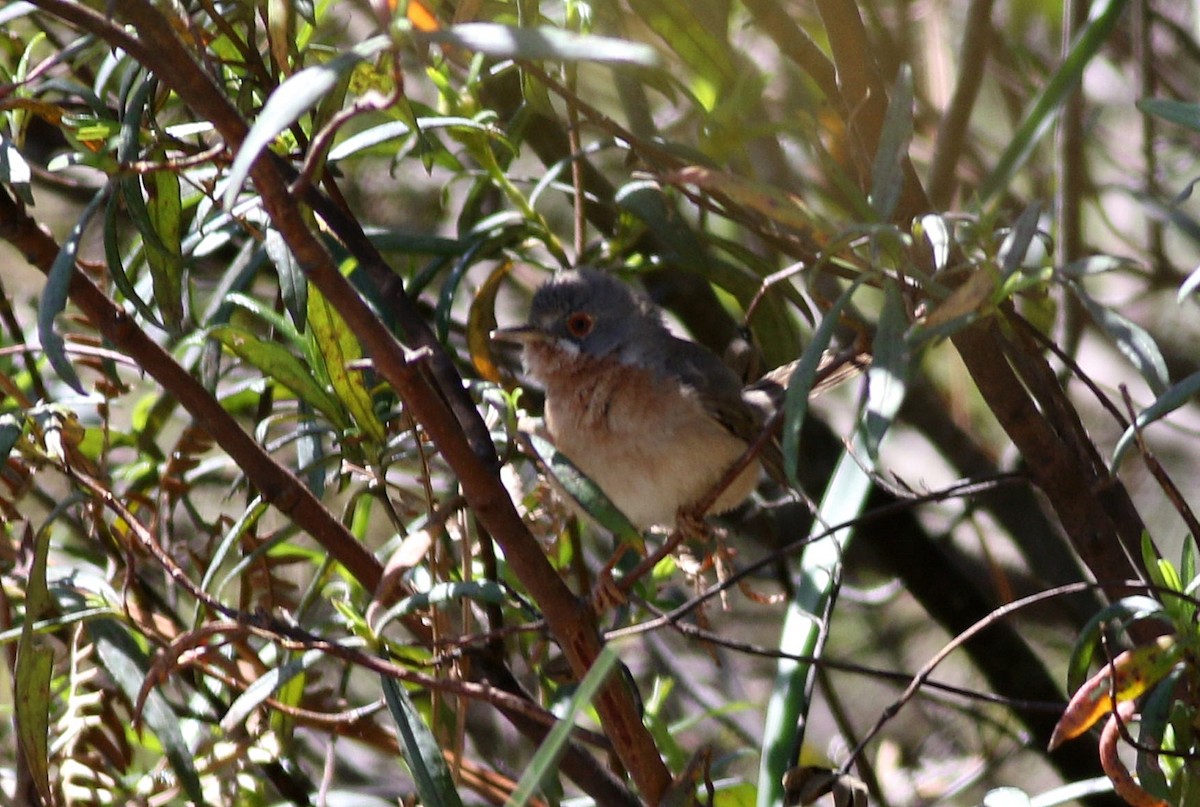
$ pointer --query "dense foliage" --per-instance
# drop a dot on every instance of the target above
(276, 529)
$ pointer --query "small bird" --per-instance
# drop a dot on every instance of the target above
(654, 420)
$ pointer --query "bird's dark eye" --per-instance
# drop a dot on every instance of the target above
(580, 324)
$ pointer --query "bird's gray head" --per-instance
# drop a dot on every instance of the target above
(593, 313)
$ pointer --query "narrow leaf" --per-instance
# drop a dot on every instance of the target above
(1016, 244)
(887, 170)
(164, 254)
(535, 44)
(584, 492)
(35, 667)
(54, 298)
(1115, 617)
(420, 748)
(545, 762)
(339, 349)
(800, 385)
(1134, 342)
(1183, 113)
(888, 373)
(1042, 113)
(1171, 399)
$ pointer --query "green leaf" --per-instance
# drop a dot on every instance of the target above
(1114, 617)
(339, 348)
(420, 748)
(1041, 115)
(1133, 341)
(278, 364)
(796, 401)
(54, 298)
(265, 686)
(164, 255)
(287, 103)
(293, 286)
(807, 614)
(545, 762)
(1184, 113)
(887, 170)
(888, 373)
(684, 28)
(1171, 399)
(536, 44)
(34, 669)
(126, 665)
(1016, 244)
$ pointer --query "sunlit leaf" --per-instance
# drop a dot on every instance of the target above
(279, 364)
(535, 44)
(1126, 677)
(288, 102)
(339, 349)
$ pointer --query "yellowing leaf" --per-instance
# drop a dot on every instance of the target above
(1128, 675)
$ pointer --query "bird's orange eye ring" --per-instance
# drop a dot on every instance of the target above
(580, 324)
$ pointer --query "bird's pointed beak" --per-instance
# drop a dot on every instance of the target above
(518, 334)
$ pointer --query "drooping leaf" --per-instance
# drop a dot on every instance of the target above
(420, 748)
(1126, 677)
(54, 298)
(1131, 339)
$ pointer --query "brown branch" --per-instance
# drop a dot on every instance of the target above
(1092, 506)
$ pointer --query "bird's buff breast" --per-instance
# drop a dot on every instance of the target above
(646, 441)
